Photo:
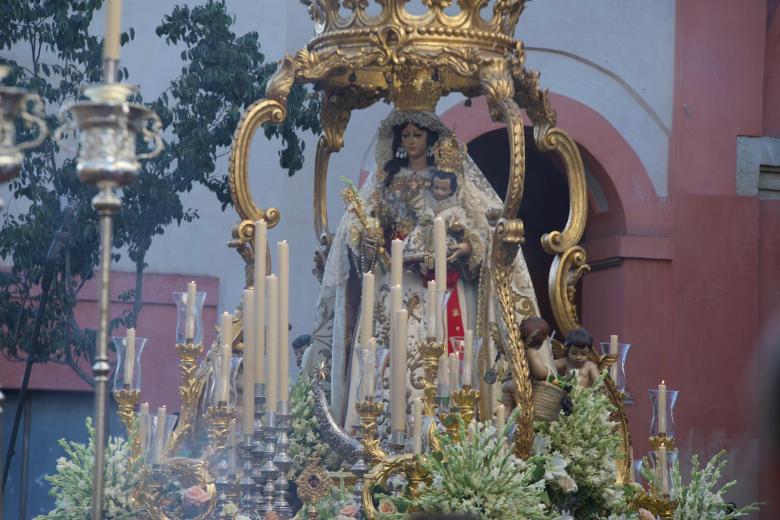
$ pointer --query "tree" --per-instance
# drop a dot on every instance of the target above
(221, 74)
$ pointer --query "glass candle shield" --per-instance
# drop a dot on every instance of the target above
(121, 362)
(657, 475)
(623, 348)
(366, 387)
(181, 310)
(215, 384)
(655, 421)
(154, 450)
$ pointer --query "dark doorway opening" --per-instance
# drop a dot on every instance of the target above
(545, 204)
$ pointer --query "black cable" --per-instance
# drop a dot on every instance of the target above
(46, 279)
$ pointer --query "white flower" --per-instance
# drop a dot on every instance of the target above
(555, 467)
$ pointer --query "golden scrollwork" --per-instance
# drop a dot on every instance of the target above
(518, 363)
(190, 390)
(127, 399)
(189, 472)
(406, 464)
(566, 270)
(556, 140)
(624, 465)
(368, 412)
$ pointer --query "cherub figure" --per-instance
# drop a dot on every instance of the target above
(534, 332)
(579, 345)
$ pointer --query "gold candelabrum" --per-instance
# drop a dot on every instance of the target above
(658, 501)
(127, 399)
(218, 417)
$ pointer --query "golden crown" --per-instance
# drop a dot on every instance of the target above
(449, 155)
(355, 49)
(414, 89)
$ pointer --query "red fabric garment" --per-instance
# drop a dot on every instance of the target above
(455, 326)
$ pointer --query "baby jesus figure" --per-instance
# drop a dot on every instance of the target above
(579, 344)
(441, 200)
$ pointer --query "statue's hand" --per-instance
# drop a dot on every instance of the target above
(461, 250)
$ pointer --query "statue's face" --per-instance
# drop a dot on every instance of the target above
(441, 188)
(578, 356)
(414, 141)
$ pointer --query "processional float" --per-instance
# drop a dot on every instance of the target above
(355, 60)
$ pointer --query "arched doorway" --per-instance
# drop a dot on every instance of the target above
(545, 205)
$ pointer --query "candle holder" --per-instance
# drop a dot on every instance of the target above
(120, 345)
(660, 506)
(218, 418)
(671, 401)
(190, 389)
(282, 459)
(258, 450)
(222, 482)
(246, 484)
(369, 411)
(269, 470)
(397, 442)
(621, 381)
(656, 441)
(16, 103)
(127, 399)
(430, 351)
(659, 471)
(108, 128)
(464, 402)
(158, 449)
(181, 317)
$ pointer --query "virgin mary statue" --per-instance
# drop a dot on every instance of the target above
(407, 190)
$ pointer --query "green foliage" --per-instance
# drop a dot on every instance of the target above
(701, 497)
(72, 484)
(221, 74)
(588, 441)
(481, 476)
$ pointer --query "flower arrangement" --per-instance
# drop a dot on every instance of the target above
(702, 497)
(71, 485)
(588, 442)
(481, 476)
(339, 504)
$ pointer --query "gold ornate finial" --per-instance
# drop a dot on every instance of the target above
(414, 89)
(449, 155)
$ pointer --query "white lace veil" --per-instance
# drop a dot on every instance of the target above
(477, 196)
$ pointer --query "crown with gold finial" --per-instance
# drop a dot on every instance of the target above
(361, 43)
(414, 89)
(449, 154)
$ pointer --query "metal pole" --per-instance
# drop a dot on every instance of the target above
(107, 204)
(25, 474)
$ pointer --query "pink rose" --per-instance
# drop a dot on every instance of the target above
(385, 506)
(350, 510)
(196, 496)
(271, 515)
(644, 514)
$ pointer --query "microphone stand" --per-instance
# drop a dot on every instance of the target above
(46, 279)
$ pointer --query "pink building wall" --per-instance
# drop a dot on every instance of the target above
(157, 322)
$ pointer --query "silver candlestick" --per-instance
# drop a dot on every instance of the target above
(282, 459)
(269, 469)
(258, 451)
(108, 128)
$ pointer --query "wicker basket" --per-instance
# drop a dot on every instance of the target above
(547, 401)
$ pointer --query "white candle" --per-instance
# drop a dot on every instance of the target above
(260, 269)
(444, 371)
(398, 374)
(143, 421)
(248, 364)
(159, 445)
(431, 296)
(500, 421)
(113, 28)
(662, 407)
(129, 357)
(417, 409)
(272, 344)
(454, 371)
(223, 383)
(283, 252)
(440, 272)
(232, 466)
(664, 470)
(468, 347)
(396, 262)
(189, 320)
(613, 350)
(396, 303)
(367, 312)
(370, 370)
